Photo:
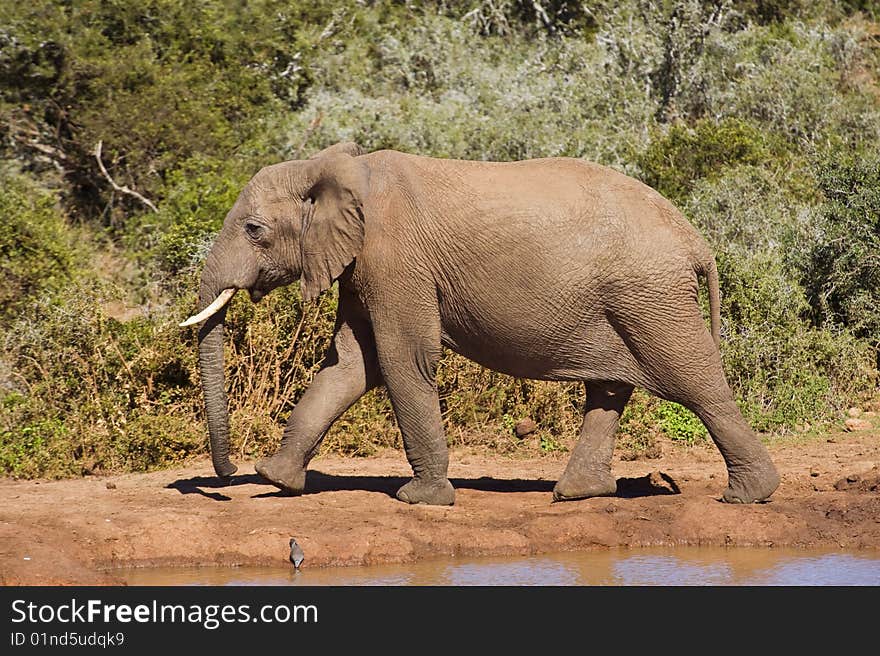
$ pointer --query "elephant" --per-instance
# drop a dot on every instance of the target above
(553, 269)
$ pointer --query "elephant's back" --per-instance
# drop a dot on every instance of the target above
(534, 217)
(559, 196)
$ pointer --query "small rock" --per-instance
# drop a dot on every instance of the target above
(524, 428)
(111, 485)
(814, 473)
(854, 412)
(847, 483)
(869, 413)
(857, 425)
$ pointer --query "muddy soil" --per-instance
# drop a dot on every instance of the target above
(80, 531)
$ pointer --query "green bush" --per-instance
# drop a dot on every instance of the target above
(510, 99)
(513, 17)
(83, 377)
(841, 270)
(753, 207)
(647, 417)
(28, 451)
(772, 11)
(869, 8)
(797, 82)
(154, 437)
(675, 161)
(38, 250)
(679, 423)
(198, 194)
(159, 82)
(783, 370)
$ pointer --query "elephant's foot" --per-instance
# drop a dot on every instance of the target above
(438, 492)
(584, 485)
(283, 472)
(751, 484)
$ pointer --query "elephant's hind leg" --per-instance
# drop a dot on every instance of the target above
(588, 473)
(683, 365)
(751, 475)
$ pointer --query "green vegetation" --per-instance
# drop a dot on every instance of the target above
(760, 119)
(841, 272)
(37, 248)
(678, 159)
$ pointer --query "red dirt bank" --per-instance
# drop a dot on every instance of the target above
(79, 531)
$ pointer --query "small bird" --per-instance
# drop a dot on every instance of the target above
(296, 553)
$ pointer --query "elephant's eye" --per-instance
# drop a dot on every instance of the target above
(254, 230)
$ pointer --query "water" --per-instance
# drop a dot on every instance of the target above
(684, 566)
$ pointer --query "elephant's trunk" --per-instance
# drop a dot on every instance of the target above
(214, 384)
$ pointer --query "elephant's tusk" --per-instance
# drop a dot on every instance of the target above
(221, 300)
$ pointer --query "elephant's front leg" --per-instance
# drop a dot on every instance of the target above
(408, 360)
(350, 369)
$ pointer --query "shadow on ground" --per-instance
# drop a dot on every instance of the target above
(317, 482)
(195, 484)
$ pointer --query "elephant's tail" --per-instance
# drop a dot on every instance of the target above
(709, 269)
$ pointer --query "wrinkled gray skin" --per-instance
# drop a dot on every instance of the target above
(552, 269)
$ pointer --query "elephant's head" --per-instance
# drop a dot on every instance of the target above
(298, 220)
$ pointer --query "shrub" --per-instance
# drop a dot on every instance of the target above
(841, 270)
(88, 382)
(679, 423)
(508, 100)
(675, 161)
(274, 349)
(512, 17)
(772, 11)
(783, 371)
(38, 250)
(198, 195)
(796, 82)
(753, 207)
(159, 82)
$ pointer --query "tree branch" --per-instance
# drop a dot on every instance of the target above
(121, 188)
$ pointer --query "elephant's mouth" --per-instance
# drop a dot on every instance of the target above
(256, 294)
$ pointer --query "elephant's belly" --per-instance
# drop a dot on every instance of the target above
(592, 351)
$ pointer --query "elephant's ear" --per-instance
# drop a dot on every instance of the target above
(333, 224)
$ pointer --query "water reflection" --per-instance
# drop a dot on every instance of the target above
(682, 566)
(668, 570)
(531, 571)
(831, 569)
